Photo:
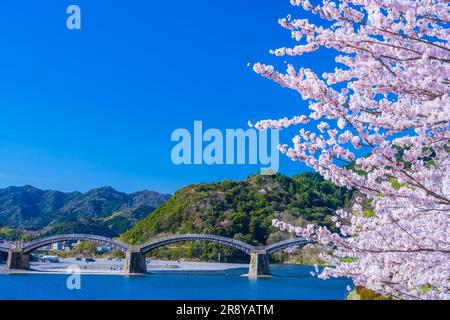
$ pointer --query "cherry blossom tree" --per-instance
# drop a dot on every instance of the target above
(389, 96)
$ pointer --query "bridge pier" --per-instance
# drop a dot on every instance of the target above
(135, 263)
(259, 265)
(18, 260)
(3, 257)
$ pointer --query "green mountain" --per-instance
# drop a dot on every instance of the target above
(102, 211)
(240, 209)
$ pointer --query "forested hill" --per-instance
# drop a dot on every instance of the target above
(243, 209)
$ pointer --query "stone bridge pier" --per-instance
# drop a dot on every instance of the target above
(3, 257)
(18, 260)
(259, 264)
(135, 263)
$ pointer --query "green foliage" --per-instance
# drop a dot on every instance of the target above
(395, 184)
(242, 210)
(367, 294)
(9, 234)
(117, 254)
(61, 253)
(118, 223)
(80, 225)
(309, 255)
(87, 247)
(369, 213)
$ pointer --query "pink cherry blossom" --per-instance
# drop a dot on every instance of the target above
(390, 95)
(224, 223)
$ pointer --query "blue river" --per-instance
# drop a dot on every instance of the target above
(288, 282)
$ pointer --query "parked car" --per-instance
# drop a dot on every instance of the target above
(52, 259)
(89, 260)
(77, 259)
(2, 240)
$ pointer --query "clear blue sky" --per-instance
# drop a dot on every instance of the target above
(83, 109)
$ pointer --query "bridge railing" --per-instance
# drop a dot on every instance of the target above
(32, 245)
(158, 242)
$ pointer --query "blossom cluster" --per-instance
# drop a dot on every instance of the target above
(390, 96)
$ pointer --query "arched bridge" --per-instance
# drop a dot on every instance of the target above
(18, 255)
(236, 244)
(36, 244)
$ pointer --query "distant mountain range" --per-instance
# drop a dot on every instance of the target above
(241, 210)
(102, 211)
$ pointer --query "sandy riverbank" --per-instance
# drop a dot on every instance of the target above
(104, 266)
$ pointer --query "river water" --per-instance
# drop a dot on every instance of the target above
(288, 282)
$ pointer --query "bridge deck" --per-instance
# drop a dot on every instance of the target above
(156, 243)
(33, 245)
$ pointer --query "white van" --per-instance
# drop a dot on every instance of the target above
(53, 259)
